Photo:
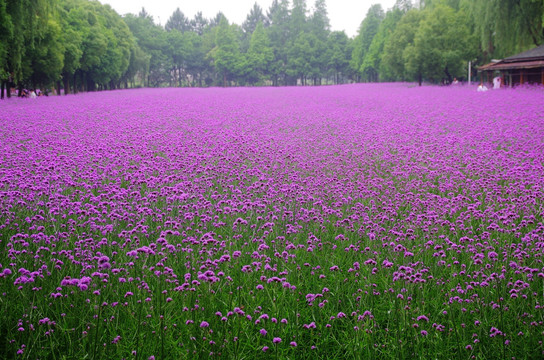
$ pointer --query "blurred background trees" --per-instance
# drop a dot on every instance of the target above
(82, 45)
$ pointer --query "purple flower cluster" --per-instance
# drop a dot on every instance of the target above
(348, 210)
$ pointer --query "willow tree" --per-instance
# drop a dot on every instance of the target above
(22, 23)
(506, 27)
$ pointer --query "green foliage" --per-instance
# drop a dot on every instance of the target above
(6, 34)
(98, 43)
(319, 21)
(394, 57)
(259, 55)
(506, 27)
(227, 58)
(84, 45)
(338, 55)
(441, 45)
(370, 67)
(278, 33)
(178, 22)
(137, 68)
(199, 23)
(298, 18)
(368, 29)
(152, 39)
(25, 22)
(47, 56)
(301, 57)
(254, 17)
(178, 48)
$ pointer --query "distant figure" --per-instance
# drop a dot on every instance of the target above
(482, 87)
(497, 82)
(455, 81)
(33, 94)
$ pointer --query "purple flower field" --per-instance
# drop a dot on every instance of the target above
(359, 221)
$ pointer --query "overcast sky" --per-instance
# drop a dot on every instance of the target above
(344, 14)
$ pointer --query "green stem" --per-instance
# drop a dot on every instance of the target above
(138, 332)
(95, 345)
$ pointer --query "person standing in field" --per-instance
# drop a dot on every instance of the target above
(497, 81)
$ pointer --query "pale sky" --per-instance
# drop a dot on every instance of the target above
(343, 14)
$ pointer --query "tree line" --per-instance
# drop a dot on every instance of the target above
(83, 45)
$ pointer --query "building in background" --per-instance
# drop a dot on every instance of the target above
(524, 68)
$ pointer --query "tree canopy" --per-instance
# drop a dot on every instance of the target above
(83, 45)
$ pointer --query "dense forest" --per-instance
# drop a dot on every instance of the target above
(83, 45)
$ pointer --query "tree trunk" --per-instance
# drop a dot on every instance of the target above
(66, 83)
(90, 85)
(448, 75)
(419, 79)
(2, 89)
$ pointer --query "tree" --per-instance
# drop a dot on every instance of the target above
(506, 27)
(74, 29)
(46, 58)
(367, 31)
(227, 57)
(25, 21)
(106, 47)
(319, 26)
(319, 20)
(199, 23)
(371, 66)
(394, 57)
(137, 68)
(338, 55)
(403, 5)
(196, 62)
(297, 23)
(216, 21)
(297, 45)
(152, 39)
(178, 21)
(6, 36)
(120, 41)
(259, 56)
(254, 17)
(301, 57)
(441, 45)
(178, 51)
(278, 33)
